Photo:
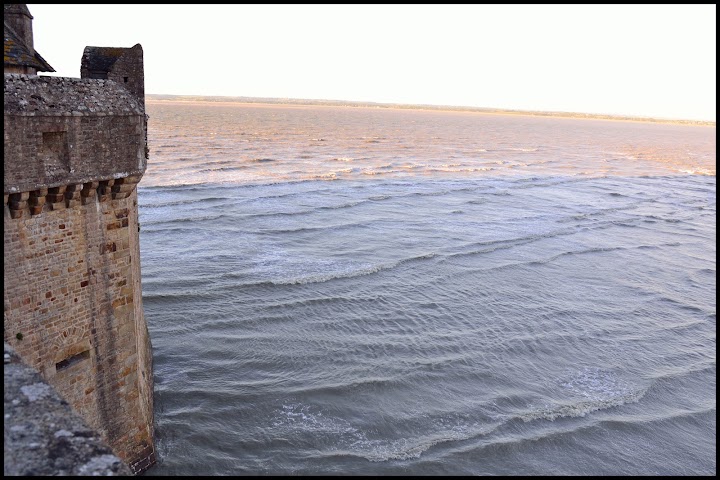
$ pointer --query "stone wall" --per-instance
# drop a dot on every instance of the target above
(73, 311)
(43, 436)
(75, 150)
(61, 131)
(122, 65)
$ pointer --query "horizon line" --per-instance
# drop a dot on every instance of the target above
(421, 106)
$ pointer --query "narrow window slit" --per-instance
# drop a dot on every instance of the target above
(72, 360)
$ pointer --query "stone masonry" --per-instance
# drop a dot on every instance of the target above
(43, 436)
(75, 149)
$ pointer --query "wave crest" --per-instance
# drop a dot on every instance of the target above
(599, 389)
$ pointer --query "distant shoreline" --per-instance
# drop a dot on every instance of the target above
(342, 103)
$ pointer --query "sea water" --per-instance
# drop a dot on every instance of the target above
(372, 291)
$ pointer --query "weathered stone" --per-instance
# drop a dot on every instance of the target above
(71, 276)
(43, 436)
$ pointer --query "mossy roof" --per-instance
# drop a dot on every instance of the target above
(18, 54)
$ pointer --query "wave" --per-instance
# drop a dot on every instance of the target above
(293, 304)
(224, 169)
(697, 171)
(459, 170)
(672, 373)
(650, 419)
(380, 173)
(581, 409)
(344, 388)
(406, 449)
(660, 295)
(325, 176)
(512, 149)
(351, 274)
(174, 203)
(189, 219)
(599, 250)
(597, 389)
(580, 392)
(297, 418)
(201, 185)
(341, 226)
(165, 230)
(510, 243)
(342, 205)
(351, 271)
(493, 245)
(172, 298)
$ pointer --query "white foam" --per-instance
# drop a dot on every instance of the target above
(303, 418)
(297, 416)
(586, 391)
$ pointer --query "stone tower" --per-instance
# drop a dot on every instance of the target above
(75, 149)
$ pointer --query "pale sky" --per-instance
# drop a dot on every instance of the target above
(646, 60)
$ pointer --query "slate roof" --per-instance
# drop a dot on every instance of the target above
(18, 54)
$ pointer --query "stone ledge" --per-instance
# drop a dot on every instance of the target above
(43, 436)
(35, 202)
